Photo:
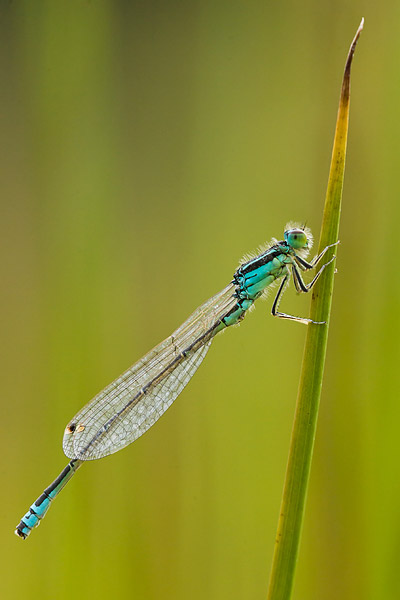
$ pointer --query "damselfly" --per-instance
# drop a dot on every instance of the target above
(130, 405)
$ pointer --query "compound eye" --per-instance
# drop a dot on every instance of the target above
(296, 238)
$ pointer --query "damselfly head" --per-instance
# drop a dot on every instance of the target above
(297, 237)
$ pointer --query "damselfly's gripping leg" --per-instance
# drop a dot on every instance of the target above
(281, 315)
(300, 284)
(306, 266)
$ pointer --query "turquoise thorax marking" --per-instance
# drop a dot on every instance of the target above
(254, 276)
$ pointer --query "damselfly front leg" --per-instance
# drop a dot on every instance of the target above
(299, 283)
(306, 266)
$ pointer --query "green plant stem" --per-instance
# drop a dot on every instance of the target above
(303, 434)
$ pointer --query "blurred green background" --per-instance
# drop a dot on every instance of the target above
(145, 147)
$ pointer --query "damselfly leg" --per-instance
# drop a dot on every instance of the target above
(300, 285)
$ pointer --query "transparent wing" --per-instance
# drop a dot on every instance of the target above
(131, 424)
(126, 408)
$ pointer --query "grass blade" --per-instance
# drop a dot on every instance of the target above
(303, 434)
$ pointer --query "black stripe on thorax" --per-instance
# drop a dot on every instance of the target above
(263, 259)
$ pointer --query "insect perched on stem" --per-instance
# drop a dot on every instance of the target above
(130, 405)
